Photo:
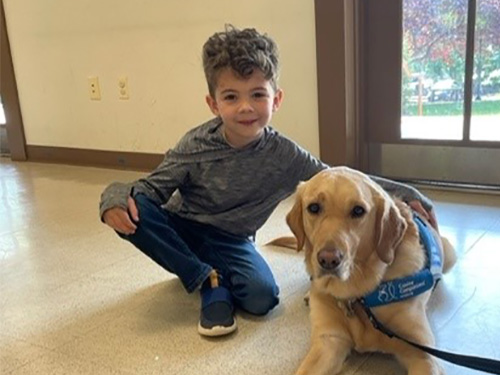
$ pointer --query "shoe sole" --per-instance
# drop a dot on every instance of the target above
(217, 330)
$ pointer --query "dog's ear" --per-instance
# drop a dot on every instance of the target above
(390, 228)
(296, 224)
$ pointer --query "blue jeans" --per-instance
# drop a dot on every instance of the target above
(191, 250)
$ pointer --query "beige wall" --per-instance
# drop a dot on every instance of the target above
(57, 44)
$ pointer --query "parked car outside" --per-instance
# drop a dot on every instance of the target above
(446, 90)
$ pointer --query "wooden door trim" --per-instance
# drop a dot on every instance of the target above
(335, 134)
(9, 94)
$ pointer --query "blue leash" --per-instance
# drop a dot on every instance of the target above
(490, 366)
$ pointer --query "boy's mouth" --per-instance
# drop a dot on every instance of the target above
(247, 122)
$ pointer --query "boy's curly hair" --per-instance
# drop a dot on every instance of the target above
(243, 51)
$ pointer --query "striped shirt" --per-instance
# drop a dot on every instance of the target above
(235, 190)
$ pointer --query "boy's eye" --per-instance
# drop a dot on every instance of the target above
(230, 97)
(260, 95)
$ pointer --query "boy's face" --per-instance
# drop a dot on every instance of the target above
(245, 105)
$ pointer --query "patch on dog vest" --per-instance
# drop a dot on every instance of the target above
(410, 286)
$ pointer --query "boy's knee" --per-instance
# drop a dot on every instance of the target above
(258, 299)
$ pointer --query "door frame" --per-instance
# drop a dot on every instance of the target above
(336, 59)
(10, 97)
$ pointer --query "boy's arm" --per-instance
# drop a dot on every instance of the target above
(405, 192)
(308, 165)
(115, 195)
(415, 199)
(158, 186)
(303, 166)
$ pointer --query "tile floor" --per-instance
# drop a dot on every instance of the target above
(75, 299)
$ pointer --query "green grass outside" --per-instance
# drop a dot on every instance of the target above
(490, 107)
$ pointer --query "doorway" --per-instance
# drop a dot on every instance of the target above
(432, 84)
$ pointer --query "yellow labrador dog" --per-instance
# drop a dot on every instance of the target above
(356, 237)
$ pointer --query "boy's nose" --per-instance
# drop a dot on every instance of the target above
(245, 106)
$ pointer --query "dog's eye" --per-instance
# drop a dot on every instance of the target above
(314, 208)
(357, 212)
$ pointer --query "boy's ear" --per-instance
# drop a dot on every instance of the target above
(212, 104)
(278, 99)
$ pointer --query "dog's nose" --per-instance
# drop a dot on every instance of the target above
(329, 259)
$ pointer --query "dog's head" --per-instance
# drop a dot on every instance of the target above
(346, 223)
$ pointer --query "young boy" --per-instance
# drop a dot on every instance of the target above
(220, 183)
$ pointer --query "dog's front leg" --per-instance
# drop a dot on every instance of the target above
(331, 342)
(416, 361)
(326, 355)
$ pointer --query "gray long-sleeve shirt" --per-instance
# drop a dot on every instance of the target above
(235, 190)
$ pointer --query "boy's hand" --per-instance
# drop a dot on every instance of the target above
(430, 216)
(121, 220)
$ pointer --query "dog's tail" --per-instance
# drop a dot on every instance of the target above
(449, 255)
(287, 241)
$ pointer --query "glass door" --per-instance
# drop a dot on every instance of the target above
(430, 84)
(434, 57)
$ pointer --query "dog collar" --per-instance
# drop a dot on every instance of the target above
(410, 286)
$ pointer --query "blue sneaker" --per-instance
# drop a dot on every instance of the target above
(217, 309)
